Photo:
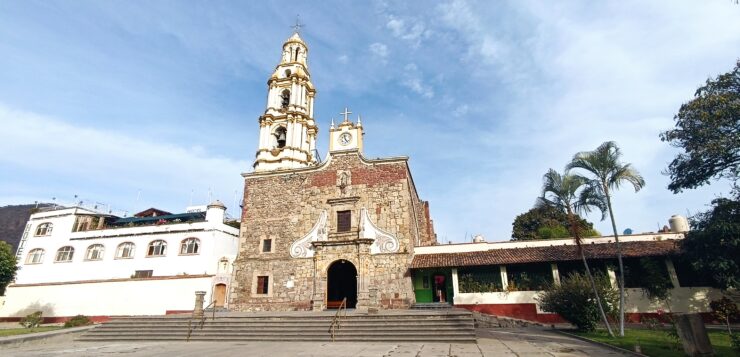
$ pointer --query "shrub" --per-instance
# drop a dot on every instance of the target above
(726, 311)
(32, 320)
(574, 300)
(79, 320)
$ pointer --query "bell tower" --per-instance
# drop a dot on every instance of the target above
(288, 131)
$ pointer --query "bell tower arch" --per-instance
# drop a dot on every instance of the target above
(288, 131)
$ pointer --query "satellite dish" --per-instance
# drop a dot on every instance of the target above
(627, 231)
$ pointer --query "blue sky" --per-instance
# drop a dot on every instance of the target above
(137, 104)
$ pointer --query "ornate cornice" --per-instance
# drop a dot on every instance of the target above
(342, 200)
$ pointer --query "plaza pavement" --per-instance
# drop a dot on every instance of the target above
(491, 342)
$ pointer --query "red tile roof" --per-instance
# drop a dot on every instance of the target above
(543, 254)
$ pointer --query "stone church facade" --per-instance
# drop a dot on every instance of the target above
(315, 233)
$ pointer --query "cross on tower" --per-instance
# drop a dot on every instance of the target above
(346, 113)
(298, 24)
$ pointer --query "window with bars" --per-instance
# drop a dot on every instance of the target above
(266, 245)
(64, 254)
(190, 246)
(95, 252)
(125, 250)
(344, 221)
(44, 229)
(35, 256)
(263, 284)
(143, 273)
(157, 248)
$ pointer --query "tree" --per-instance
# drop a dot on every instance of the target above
(8, 266)
(571, 195)
(546, 222)
(608, 173)
(714, 243)
(708, 130)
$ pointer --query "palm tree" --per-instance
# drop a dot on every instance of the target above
(608, 173)
(562, 192)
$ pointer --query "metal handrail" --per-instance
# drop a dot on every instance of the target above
(336, 322)
(202, 321)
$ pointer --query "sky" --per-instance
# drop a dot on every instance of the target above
(134, 104)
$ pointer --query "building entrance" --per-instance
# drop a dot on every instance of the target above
(439, 289)
(219, 295)
(341, 283)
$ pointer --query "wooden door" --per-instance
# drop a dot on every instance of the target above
(219, 294)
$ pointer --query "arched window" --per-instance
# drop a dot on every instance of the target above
(64, 254)
(190, 246)
(125, 250)
(44, 229)
(286, 98)
(280, 136)
(95, 252)
(35, 256)
(287, 73)
(157, 248)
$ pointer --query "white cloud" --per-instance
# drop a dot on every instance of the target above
(343, 59)
(408, 29)
(70, 158)
(461, 110)
(575, 75)
(380, 51)
(412, 79)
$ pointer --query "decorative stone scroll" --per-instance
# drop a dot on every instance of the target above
(384, 241)
(302, 248)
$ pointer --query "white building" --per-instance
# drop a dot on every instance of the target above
(487, 277)
(79, 261)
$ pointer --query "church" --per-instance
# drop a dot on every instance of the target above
(316, 233)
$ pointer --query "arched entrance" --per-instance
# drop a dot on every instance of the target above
(341, 282)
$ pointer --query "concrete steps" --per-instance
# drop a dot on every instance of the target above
(407, 326)
(431, 306)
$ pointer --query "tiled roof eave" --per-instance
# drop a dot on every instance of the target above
(543, 254)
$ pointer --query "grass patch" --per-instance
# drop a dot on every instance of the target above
(23, 331)
(657, 343)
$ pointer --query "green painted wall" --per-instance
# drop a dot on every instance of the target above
(423, 285)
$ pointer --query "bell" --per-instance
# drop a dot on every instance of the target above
(281, 136)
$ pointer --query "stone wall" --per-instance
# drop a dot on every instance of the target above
(284, 206)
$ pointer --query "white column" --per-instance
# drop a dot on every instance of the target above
(294, 95)
(291, 134)
(612, 276)
(555, 273)
(266, 137)
(455, 286)
(504, 277)
(310, 106)
(269, 91)
(672, 272)
(272, 98)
